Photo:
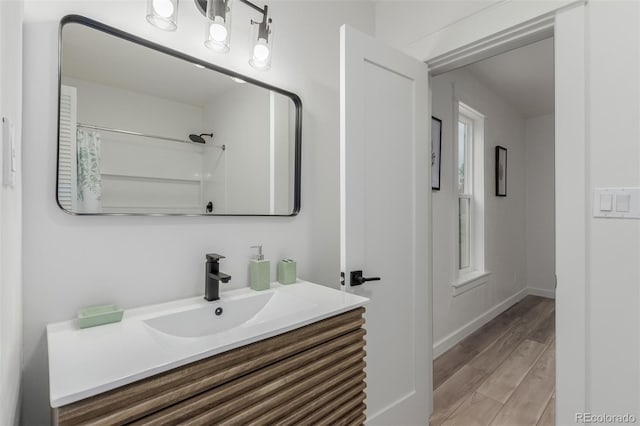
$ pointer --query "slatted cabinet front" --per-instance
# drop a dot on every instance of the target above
(313, 375)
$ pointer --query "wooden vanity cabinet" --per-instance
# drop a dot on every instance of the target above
(313, 375)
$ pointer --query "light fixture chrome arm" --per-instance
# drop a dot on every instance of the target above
(257, 8)
(202, 6)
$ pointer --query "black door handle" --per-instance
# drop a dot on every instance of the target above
(358, 279)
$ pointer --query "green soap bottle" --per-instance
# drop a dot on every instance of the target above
(259, 271)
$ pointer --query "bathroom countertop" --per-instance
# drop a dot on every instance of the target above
(90, 361)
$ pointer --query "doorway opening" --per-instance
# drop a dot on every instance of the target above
(494, 240)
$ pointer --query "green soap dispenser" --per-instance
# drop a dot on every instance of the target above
(259, 271)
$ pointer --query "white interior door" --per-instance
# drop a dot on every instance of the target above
(385, 221)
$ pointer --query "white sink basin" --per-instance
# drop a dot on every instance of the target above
(224, 316)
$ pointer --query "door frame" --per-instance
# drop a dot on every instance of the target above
(567, 24)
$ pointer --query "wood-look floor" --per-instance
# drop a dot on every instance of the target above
(502, 374)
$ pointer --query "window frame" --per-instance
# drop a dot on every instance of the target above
(475, 274)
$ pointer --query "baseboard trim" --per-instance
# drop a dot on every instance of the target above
(542, 292)
(446, 343)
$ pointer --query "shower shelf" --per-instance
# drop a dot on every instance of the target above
(150, 178)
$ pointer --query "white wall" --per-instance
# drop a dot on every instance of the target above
(402, 22)
(11, 322)
(613, 250)
(540, 205)
(504, 217)
(72, 262)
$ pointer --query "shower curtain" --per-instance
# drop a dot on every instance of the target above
(89, 181)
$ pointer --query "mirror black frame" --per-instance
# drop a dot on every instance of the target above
(78, 19)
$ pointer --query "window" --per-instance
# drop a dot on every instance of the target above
(470, 191)
(465, 190)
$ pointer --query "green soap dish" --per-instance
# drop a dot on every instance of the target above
(99, 315)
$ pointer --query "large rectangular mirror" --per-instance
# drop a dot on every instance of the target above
(145, 130)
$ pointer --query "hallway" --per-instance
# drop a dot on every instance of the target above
(502, 374)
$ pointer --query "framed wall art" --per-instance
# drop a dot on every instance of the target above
(501, 171)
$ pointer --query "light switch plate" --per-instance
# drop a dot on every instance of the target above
(621, 203)
(8, 154)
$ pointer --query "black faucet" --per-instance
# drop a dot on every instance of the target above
(213, 276)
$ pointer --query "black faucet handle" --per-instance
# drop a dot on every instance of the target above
(214, 257)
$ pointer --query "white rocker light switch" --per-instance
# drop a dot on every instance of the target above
(623, 203)
(606, 202)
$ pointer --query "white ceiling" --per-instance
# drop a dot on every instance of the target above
(523, 77)
(102, 58)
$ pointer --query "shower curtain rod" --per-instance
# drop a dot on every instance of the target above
(127, 132)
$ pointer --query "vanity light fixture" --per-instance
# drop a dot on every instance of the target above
(263, 43)
(163, 14)
(218, 28)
